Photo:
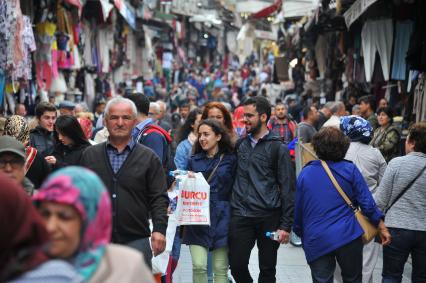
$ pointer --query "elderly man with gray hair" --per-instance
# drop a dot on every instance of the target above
(164, 119)
(338, 110)
(134, 177)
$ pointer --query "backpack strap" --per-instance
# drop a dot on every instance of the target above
(153, 128)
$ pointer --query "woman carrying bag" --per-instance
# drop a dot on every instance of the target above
(214, 158)
(328, 190)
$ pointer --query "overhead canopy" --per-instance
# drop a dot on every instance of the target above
(298, 8)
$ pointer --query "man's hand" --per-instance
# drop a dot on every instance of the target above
(158, 243)
(283, 236)
(50, 159)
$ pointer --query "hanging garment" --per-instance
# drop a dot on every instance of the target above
(2, 85)
(321, 54)
(23, 67)
(377, 36)
(419, 105)
(403, 32)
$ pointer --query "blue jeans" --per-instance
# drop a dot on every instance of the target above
(395, 255)
(349, 258)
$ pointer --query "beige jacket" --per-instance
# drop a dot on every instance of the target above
(122, 264)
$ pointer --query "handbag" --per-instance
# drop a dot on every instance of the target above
(370, 231)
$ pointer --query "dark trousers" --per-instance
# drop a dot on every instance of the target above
(349, 258)
(144, 247)
(395, 255)
(243, 233)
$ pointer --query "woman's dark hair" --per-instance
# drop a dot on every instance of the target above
(388, 111)
(186, 128)
(417, 134)
(226, 115)
(69, 126)
(330, 144)
(225, 143)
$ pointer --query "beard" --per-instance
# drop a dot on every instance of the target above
(256, 129)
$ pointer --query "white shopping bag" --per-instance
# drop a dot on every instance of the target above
(160, 262)
(193, 206)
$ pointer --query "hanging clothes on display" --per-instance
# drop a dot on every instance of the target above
(377, 36)
(403, 32)
(321, 47)
(419, 105)
(23, 68)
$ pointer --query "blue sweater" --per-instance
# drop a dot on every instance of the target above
(322, 218)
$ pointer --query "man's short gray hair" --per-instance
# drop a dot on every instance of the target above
(120, 100)
(329, 105)
(337, 106)
(162, 104)
(155, 106)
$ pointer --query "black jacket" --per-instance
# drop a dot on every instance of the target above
(43, 141)
(137, 191)
(68, 155)
(265, 180)
(38, 171)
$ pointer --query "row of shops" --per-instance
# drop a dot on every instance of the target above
(88, 49)
(353, 48)
(331, 49)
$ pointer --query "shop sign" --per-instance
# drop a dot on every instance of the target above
(262, 34)
(185, 7)
(356, 10)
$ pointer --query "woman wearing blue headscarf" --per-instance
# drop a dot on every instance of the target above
(372, 165)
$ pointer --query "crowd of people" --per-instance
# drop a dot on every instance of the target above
(79, 188)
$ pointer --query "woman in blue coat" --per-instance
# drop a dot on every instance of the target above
(213, 150)
(324, 221)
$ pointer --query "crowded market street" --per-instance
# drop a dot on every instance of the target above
(212, 141)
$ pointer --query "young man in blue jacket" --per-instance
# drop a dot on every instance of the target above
(263, 195)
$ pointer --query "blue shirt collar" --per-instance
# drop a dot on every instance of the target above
(253, 141)
(130, 145)
(142, 124)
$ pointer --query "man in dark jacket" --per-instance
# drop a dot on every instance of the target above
(135, 180)
(42, 137)
(263, 195)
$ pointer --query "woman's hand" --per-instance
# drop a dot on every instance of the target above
(50, 160)
(191, 174)
(384, 234)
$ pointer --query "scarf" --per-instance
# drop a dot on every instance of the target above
(82, 189)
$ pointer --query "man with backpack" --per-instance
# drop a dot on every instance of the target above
(151, 135)
(263, 195)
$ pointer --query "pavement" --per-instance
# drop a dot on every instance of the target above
(291, 267)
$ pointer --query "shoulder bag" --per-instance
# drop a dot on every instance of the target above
(370, 231)
(215, 168)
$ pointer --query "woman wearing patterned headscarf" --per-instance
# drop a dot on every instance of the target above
(36, 167)
(77, 210)
(23, 239)
(372, 165)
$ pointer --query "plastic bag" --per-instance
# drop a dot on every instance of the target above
(193, 206)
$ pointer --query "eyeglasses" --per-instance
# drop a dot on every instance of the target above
(14, 163)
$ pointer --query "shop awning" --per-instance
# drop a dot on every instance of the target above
(356, 10)
(127, 12)
(267, 11)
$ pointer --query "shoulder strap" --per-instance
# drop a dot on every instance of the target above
(405, 189)
(215, 168)
(276, 144)
(336, 185)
